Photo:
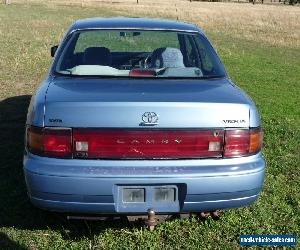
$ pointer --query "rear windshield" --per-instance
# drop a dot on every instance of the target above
(123, 53)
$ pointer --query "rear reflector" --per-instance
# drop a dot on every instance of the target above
(242, 142)
(141, 144)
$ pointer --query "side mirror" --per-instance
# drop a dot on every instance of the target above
(53, 50)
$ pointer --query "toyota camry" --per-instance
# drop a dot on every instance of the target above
(138, 114)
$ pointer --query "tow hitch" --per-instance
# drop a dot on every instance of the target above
(151, 222)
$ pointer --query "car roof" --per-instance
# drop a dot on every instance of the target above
(132, 23)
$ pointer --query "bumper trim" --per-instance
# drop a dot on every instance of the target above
(108, 208)
(75, 168)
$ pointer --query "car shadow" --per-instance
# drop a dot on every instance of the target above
(7, 243)
(16, 210)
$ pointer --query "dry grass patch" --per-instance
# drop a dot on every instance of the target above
(272, 24)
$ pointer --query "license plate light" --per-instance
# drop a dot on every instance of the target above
(164, 194)
(131, 195)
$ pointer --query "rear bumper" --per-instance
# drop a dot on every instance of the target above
(92, 186)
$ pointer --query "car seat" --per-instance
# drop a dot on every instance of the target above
(167, 58)
(97, 56)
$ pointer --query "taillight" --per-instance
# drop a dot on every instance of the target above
(57, 142)
(142, 144)
(34, 138)
(256, 141)
(145, 144)
(242, 142)
(50, 142)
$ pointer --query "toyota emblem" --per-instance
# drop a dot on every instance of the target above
(149, 119)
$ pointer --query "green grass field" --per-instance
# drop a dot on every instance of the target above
(270, 74)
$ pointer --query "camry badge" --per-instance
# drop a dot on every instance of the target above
(149, 119)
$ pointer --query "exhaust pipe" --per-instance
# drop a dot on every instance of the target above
(203, 215)
(215, 215)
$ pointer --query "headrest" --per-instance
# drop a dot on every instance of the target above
(167, 58)
(97, 56)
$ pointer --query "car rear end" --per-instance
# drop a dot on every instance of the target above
(182, 164)
(149, 139)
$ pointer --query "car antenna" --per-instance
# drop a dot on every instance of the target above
(177, 17)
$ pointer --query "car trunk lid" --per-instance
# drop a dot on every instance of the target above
(124, 103)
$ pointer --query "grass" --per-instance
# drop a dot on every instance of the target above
(275, 24)
(267, 71)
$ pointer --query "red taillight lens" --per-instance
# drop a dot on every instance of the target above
(49, 142)
(242, 142)
(57, 142)
(139, 144)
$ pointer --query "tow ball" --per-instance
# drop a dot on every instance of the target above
(151, 222)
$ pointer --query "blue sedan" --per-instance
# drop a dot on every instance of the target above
(138, 114)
